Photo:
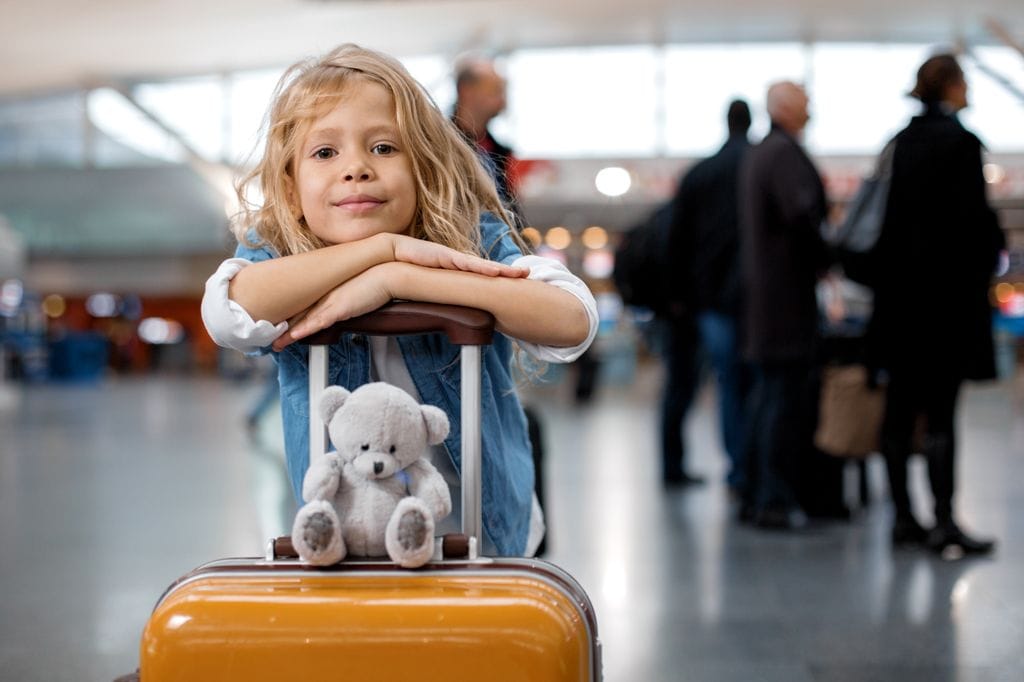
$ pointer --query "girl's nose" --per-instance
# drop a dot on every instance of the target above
(357, 170)
(357, 175)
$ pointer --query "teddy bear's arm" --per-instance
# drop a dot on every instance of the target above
(426, 483)
(322, 478)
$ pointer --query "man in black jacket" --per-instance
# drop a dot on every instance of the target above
(782, 206)
(703, 250)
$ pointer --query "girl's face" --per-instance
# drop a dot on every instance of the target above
(353, 179)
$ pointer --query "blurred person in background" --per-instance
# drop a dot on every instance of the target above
(781, 208)
(939, 232)
(703, 248)
(479, 98)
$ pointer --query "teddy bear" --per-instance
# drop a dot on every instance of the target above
(376, 494)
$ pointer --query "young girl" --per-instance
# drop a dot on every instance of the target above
(370, 194)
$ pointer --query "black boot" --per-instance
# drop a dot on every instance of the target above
(949, 536)
(907, 531)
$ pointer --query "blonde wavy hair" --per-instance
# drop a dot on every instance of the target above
(452, 186)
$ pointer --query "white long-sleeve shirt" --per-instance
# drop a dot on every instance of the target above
(231, 326)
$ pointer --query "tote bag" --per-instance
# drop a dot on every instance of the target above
(850, 412)
(864, 217)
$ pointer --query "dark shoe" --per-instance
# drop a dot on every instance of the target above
(907, 531)
(950, 537)
(682, 480)
(780, 518)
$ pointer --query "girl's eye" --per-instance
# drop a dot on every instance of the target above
(383, 148)
(324, 153)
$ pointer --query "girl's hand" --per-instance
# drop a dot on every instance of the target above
(362, 294)
(428, 254)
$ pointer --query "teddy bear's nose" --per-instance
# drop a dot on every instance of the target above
(378, 467)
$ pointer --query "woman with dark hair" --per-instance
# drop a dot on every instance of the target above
(932, 267)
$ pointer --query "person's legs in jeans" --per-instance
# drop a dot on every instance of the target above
(779, 442)
(718, 339)
(680, 355)
(752, 432)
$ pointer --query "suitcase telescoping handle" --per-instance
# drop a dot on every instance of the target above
(466, 327)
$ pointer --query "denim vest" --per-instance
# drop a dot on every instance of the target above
(433, 363)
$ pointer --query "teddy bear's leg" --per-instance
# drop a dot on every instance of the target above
(316, 534)
(409, 537)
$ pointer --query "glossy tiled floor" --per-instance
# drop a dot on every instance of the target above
(109, 492)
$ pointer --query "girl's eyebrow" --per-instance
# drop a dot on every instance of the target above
(388, 129)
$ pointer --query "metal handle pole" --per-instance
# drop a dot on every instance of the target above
(317, 384)
(471, 460)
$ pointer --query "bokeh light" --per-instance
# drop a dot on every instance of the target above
(54, 306)
(594, 237)
(613, 181)
(558, 238)
(532, 235)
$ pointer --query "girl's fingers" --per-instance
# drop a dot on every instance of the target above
(483, 266)
(515, 271)
(284, 340)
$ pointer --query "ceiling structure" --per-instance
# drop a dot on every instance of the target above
(47, 45)
(58, 45)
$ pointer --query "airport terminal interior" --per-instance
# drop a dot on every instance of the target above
(131, 449)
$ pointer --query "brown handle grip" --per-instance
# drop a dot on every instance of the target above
(463, 326)
(284, 549)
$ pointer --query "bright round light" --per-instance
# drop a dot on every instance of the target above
(532, 235)
(613, 181)
(102, 305)
(11, 294)
(54, 305)
(159, 331)
(558, 238)
(1004, 292)
(598, 263)
(594, 237)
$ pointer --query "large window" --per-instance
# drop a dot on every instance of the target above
(620, 102)
(996, 113)
(584, 102)
(701, 80)
(860, 95)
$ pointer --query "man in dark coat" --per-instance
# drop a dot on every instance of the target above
(704, 286)
(782, 206)
(932, 322)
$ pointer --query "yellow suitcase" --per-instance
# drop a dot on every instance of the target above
(473, 617)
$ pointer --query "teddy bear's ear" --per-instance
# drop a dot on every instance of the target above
(332, 398)
(437, 423)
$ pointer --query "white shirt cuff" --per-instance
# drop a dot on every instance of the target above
(228, 323)
(554, 273)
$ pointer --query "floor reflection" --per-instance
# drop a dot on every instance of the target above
(108, 493)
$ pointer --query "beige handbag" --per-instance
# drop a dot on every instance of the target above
(850, 412)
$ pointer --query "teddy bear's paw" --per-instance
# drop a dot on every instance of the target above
(318, 531)
(410, 534)
(317, 534)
